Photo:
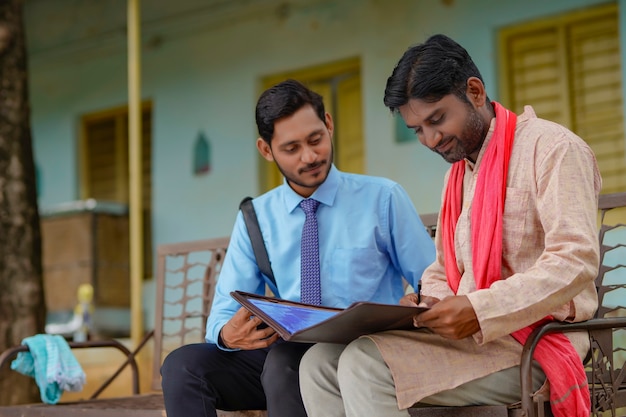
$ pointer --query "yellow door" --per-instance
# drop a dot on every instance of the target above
(349, 147)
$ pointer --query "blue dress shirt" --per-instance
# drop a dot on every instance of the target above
(370, 236)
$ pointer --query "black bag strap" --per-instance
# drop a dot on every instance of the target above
(258, 246)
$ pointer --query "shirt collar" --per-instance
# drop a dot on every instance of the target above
(325, 193)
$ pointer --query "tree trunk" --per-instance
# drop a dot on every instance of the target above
(22, 306)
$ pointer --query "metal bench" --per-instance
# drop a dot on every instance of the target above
(186, 275)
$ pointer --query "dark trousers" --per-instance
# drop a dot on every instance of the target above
(197, 379)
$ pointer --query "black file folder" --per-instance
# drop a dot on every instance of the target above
(298, 322)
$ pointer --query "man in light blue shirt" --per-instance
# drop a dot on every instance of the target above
(370, 237)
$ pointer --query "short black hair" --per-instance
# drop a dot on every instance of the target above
(429, 71)
(282, 100)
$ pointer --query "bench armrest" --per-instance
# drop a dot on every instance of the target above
(592, 325)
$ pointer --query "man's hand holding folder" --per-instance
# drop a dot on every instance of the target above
(245, 331)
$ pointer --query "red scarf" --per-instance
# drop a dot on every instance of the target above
(569, 393)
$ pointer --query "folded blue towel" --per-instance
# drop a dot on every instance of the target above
(53, 365)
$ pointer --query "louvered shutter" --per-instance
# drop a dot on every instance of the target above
(568, 69)
(104, 164)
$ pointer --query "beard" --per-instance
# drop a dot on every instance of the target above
(297, 179)
(470, 141)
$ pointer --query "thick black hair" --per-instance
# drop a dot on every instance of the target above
(429, 71)
(282, 100)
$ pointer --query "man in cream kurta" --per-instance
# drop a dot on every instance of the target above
(462, 352)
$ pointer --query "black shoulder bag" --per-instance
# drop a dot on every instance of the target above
(258, 246)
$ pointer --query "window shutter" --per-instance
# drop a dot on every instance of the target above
(101, 153)
(535, 69)
(104, 164)
(597, 95)
(568, 69)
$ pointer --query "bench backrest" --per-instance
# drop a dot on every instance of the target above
(606, 372)
(611, 280)
(185, 284)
